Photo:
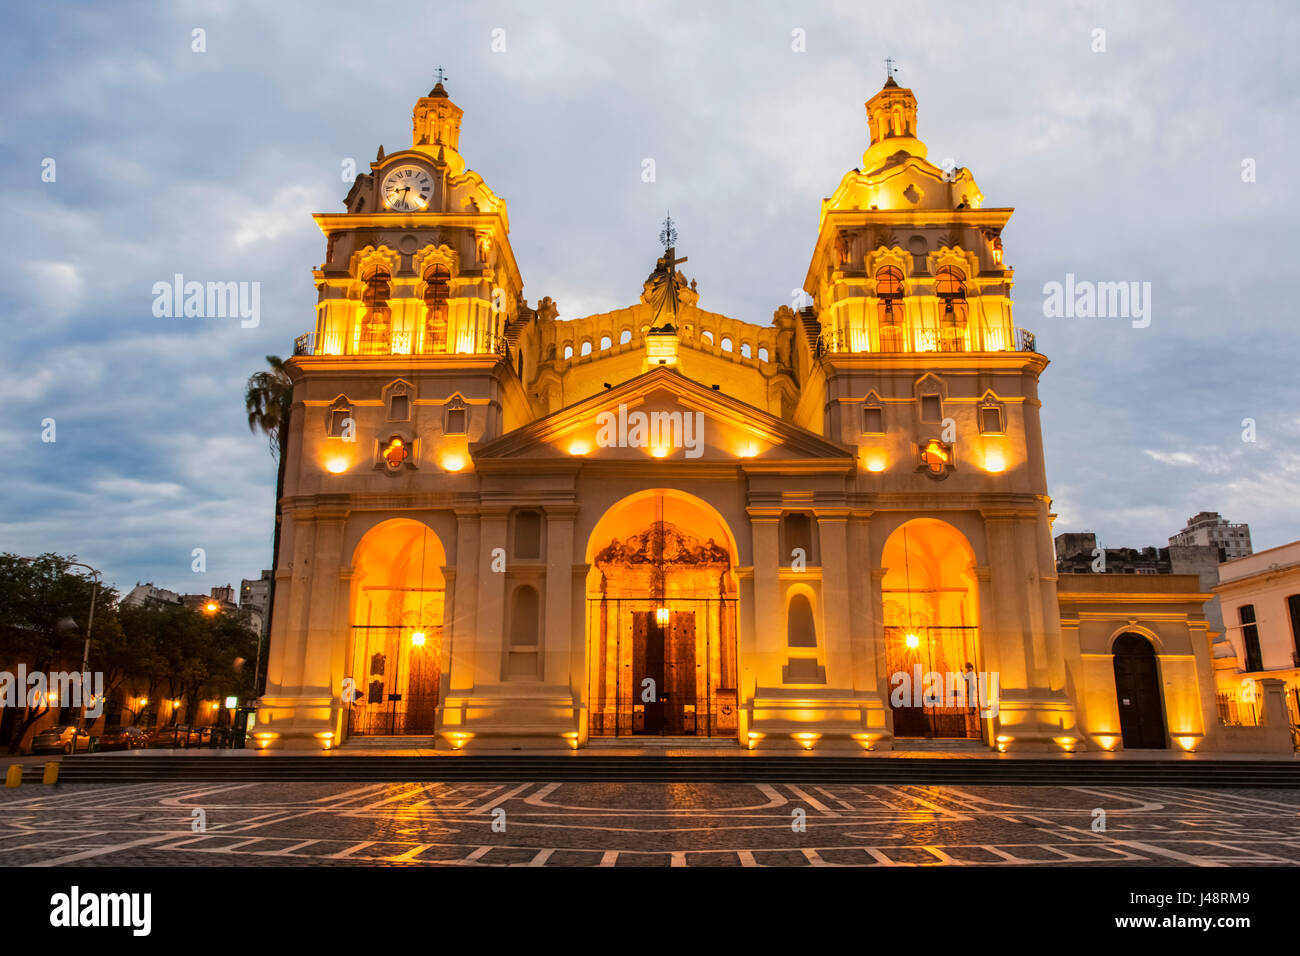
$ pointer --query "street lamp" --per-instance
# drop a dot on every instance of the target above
(90, 622)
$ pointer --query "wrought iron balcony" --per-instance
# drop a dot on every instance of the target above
(395, 343)
(898, 339)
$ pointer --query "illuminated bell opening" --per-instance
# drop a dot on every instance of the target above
(661, 616)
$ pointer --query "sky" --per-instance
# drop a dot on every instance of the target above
(1155, 151)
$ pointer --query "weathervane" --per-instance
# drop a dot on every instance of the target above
(889, 67)
(442, 74)
(668, 235)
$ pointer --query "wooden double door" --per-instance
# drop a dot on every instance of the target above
(1137, 691)
(664, 674)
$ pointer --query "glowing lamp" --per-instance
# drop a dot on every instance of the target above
(210, 607)
(661, 616)
(659, 451)
(1187, 743)
(216, 705)
(52, 697)
(912, 641)
(749, 450)
(579, 447)
(993, 461)
(935, 455)
(453, 462)
(997, 250)
(336, 466)
(417, 639)
(176, 704)
(143, 701)
(876, 462)
(231, 703)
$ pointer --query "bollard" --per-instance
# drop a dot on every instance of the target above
(14, 778)
(51, 773)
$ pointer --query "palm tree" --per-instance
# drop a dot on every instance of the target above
(268, 398)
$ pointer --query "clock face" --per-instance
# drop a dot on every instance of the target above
(407, 189)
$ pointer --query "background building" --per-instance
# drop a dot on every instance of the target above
(1211, 528)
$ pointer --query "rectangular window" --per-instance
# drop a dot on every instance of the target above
(399, 408)
(873, 420)
(931, 408)
(991, 420)
(338, 418)
(1250, 637)
(456, 421)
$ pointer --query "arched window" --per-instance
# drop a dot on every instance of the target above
(624, 337)
(800, 629)
(522, 656)
(528, 535)
(745, 350)
(605, 342)
(568, 351)
(586, 347)
(762, 355)
(709, 336)
(437, 289)
(889, 290)
(376, 327)
(950, 287)
(726, 344)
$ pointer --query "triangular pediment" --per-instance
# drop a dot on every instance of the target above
(665, 416)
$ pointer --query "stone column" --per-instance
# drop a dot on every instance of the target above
(489, 631)
(836, 598)
(559, 630)
(768, 651)
(461, 625)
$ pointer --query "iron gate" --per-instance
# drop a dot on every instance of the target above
(685, 648)
(395, 674)
(935, 685)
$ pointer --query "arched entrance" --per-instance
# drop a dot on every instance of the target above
(661, 619)
(394, 661)
(1137, 692)
(930, 608)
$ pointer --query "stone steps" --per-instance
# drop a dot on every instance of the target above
(738, 768)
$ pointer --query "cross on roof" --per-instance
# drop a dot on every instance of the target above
(889, 67)
(668, 235)
(442, 74)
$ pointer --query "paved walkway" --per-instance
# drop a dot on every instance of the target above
(618, 824)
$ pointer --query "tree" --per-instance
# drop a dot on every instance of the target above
(43, 612)
(268, 399)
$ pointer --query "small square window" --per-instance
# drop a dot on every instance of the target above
(931, 408)
(991, 419)
(455, 421)
(873, 420)
(399, 408)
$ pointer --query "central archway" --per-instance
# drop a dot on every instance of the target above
(661, 619)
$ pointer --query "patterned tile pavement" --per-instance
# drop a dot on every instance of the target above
(612, 824)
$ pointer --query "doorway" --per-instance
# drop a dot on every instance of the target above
(1137, 692)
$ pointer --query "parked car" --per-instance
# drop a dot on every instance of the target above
(175, 735)
(122, 738)
(64, 739)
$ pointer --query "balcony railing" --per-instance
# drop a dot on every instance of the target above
(898, 340)
(396, 343)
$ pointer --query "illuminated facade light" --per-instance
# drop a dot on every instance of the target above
(912, 641)
(417, 639)
(994, 461)
(661, 616)
(336, 466)
(579, 447)
(453, 462)
(875, 461)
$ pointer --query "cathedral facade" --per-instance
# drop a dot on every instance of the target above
(504, 529)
